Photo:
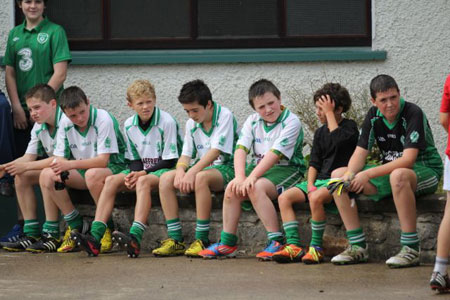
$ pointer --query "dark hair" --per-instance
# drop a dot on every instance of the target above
(72, 97)
(43, 92)
(20, 1)
(195, 91)
(337, 93)
(382, 83)
(261, 87)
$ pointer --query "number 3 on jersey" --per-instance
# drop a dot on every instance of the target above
(26, 62)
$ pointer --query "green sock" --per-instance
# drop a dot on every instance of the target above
(292, 235)
(74, 220)
(137, 230)
(110, 224)
(98, 229)
(31, 228)
(275, 236)
(174, 229)
(410, 239)
(228, 239)
(317, 229)
(202, 231)
(51, 228)
(356, 237)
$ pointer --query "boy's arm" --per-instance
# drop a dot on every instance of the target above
(20, 119)
(27, 162)
(443, 119)
(312, 175)
(406, 161)
(269, 159)
(59, 75)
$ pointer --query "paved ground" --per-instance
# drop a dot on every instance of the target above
(114, 276)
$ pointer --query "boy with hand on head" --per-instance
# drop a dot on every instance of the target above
(205, 166)
(410, 166)
(275, 136)
(41, 102)
(152, 141)
(89, 148)
(439, 278)
(333, 145)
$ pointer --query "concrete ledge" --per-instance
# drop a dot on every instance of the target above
(378, 219)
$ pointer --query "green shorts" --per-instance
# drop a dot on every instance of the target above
(115, 169)
(157, 173)
(427, 182)
(227, 172)
(319, 183)
(283, 177)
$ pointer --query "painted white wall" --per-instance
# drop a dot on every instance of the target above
(414, 33)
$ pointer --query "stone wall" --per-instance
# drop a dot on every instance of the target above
(379, 221)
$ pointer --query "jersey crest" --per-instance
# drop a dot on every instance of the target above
(42, 38)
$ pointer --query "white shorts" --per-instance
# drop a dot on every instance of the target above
(446, 186)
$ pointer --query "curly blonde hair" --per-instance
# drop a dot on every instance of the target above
(140, 88)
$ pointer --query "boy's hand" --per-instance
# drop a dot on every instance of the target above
(248, 185)
(235, 185)
(178, 178)
(15, 168)
(131, 179)
(60, 164)
(188, 182)
(358, 183)
(20, 119)
(326, 104)
(2, 171)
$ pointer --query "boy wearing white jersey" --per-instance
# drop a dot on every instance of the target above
(152, 141)
(205, 166)
(41, 102)
(275, 137)
(90, 147)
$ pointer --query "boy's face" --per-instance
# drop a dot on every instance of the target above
(320, 113)
(32, 9)
(268, 107)
(388, 103)
(41, 111)
(197, 112)
(79, 115)
(143, 106)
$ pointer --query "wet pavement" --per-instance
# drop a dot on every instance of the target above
(115, 276)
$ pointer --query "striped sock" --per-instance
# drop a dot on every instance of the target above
(291, 230)
(228, 239)
(202, 231)
(74, 220)
(356, 237)
(441, 265)
(275, 236)
(98, 230)
(410, 239)
(317, 229)
(31, 228)
(51, 228)
(137, 230)
(174, 229)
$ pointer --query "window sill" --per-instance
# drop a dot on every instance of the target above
(153, 57)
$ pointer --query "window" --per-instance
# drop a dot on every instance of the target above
(201, 24)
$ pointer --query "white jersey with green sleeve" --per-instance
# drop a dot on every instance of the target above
(42, 141)
(284, 137)
(221, 136)
(102, 136)
(161, 140)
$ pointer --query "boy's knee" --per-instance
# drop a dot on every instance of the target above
(166, 182)
(315, 201)
(284, 201)
(401, 178)
(46, 178)
(201, 179)
(338, 172)
(143, 182)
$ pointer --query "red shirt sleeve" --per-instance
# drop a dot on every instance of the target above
(445, 103)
